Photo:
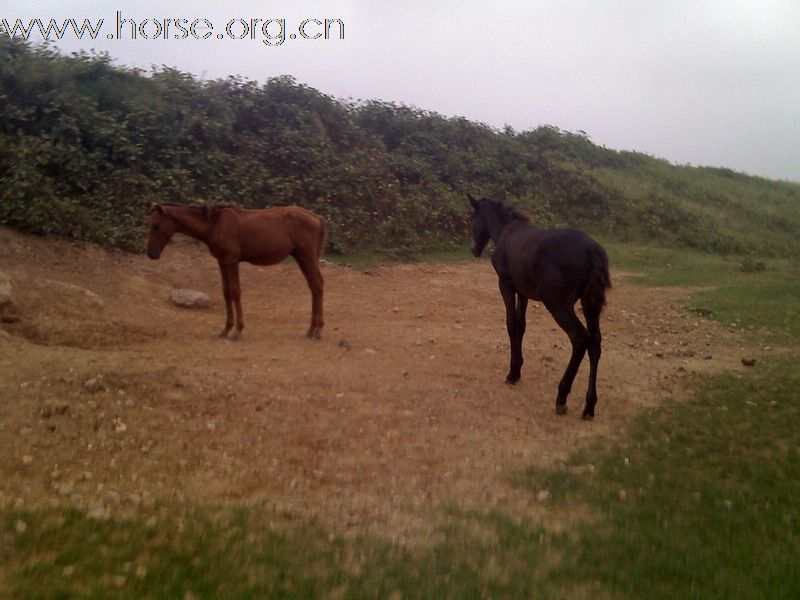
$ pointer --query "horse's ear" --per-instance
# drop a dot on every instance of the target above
(156, 208)
(472, 201)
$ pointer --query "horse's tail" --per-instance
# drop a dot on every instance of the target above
(599, 279)
(323, 237)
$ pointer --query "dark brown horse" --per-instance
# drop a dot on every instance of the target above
(260, 237)
(555, 266)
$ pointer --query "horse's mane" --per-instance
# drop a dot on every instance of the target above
(509, 212)
(209, 211)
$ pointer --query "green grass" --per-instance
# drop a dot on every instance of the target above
(765, 299)
(710, 508)
(244, 553)
(365, 261)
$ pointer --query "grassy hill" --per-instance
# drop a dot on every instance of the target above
(86, 146)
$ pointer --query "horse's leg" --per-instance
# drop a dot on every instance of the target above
(309, 265)
(236, 295)
(592, 315)
(515, 340)
(226, 292)
(564, 314)
(521, 308)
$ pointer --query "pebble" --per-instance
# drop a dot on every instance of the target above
(20, 527)
(543, 496)
(623, 495)
(748, 362)
(97, 512)
(95, 384)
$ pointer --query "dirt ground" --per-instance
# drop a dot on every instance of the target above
(112, 399)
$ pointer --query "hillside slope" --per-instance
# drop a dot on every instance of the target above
(86, 146)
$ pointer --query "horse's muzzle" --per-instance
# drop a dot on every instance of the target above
(153, 254)
(475, 252)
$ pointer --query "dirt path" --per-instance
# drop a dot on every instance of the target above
(114, 397)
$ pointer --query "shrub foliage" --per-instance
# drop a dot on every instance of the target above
(86, 146)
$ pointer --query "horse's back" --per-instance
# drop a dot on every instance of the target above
(269, 235)
(549, 262)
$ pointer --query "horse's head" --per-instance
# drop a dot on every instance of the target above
(480, 226)
(161, 227)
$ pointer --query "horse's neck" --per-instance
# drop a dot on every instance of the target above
(192, 222)
(496, 226)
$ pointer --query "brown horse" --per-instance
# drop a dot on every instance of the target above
(557, 267)
(260, 237)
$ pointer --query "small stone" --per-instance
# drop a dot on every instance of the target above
(97, 512)
(20, 527)
(623, 495)
(370, 351)
(68, 571)
(95, 384)
(748, 362)
(141, 571)
(344, 344)
(543, 496)
(27, 459)
(189, 298)
(707, 357)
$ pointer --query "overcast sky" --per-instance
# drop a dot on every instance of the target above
(701, 82)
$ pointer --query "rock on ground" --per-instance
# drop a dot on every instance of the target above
(6, 300)
(190, 298)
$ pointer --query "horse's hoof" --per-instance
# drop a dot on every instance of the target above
(561, 409)
(317, 335)
(512, 381)
(587, 417)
